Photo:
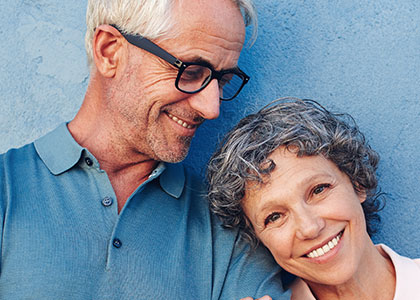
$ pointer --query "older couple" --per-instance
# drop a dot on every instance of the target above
(100, 207)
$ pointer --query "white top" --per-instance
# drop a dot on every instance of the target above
(407, 273)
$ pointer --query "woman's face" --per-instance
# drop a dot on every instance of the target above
(310, 218)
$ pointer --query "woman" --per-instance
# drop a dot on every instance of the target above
(302, 181)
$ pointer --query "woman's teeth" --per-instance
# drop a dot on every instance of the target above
(180, 122)
(326, 248)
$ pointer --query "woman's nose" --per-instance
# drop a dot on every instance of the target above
(309, 224)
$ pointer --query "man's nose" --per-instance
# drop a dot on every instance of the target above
(207, 101)
(309, 224)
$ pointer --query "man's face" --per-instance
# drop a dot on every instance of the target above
(156, 119)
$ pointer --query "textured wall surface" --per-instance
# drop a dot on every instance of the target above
(362, 57)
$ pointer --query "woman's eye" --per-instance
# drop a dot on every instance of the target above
(273, 217)
(320, 188)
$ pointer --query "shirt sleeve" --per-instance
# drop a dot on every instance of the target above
(253, 273)
(240, 271)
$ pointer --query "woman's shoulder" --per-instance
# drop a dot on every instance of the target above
(407, 272)
(395, 256)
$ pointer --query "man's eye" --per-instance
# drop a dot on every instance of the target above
(320, 188)
(192, 75)
(225, 79)
(273, 217)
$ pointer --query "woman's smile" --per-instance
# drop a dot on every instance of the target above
(320, 251)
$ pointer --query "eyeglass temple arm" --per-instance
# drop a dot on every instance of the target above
(149, 46)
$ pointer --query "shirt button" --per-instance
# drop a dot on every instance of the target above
(88, 161)
(107, 201)
(117, 243)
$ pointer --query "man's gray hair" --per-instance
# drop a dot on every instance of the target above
(150, 18)
(303, 127)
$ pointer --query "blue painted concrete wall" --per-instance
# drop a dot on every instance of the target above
(362, 57)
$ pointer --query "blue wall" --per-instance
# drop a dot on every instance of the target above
(362, 57)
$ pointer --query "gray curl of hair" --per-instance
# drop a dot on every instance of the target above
(308, 129)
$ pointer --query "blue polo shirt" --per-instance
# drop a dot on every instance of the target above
(62, 236)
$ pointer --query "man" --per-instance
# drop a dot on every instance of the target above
(97, 209)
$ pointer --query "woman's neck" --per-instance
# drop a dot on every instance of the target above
(374, 279)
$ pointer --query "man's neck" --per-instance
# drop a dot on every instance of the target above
(126, 171)
(125, 167)
(127, 179)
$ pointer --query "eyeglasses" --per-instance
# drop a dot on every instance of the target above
(194, 76)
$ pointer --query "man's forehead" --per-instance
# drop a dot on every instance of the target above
(211, 31)
(221, 17)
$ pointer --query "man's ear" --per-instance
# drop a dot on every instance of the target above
(108, 50)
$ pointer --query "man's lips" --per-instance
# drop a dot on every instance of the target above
(183, 123)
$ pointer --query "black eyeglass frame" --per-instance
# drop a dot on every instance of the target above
(147, 45)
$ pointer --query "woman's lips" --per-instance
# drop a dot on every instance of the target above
(326, 247)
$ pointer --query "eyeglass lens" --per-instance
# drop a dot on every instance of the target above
(194, 77)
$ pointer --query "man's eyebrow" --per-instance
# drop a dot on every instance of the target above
(201, 60)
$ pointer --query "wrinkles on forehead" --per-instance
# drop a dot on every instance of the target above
(233, 43)
(222, 17)
(210, 30)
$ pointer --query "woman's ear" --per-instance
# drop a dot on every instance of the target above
(108, 50)
(361, 193)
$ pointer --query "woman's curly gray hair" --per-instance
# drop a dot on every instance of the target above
(304, 127)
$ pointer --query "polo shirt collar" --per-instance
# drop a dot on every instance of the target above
(172, 179)
(58, 150)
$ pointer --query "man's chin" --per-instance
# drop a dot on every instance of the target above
(169, 149)
(173, 158)
(174, 155)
